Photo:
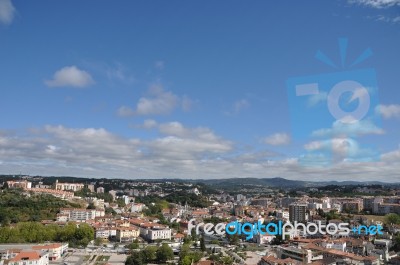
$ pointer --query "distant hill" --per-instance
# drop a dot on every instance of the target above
(283, 183)
(275, 182)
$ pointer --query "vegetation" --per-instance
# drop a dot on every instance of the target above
(150, 254)
(34, 232)
(133, 245)
(17, 206)
(179, 197)
(220, 259)
(187, 256)
(85, 192)
(392, 218)
(164, 253)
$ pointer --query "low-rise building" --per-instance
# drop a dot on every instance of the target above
(31, 258)
(127, 234)
(154, 231)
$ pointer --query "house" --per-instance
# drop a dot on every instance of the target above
(55, 250)
(31, 258)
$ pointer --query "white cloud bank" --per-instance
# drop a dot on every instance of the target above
(379, 4)
(70, 76)
(178, 152)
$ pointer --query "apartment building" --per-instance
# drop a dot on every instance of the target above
(68, 186)
(297, 212)
(81, 215)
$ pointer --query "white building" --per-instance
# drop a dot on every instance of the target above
(81, 214)
(98, 203)
(154, 231)
(55, 250)
(282, 214)
(102, 232)
(69, 186)
(137, 207)
(30, 258)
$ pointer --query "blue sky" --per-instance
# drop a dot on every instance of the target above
(193, 89)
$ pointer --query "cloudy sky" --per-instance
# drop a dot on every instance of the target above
(200, 89)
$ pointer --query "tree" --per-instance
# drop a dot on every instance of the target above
(91, 206)
(392, 218)
(135, 259)
(134, 245)
(149, 254)
(186, 256)
(227, 260)
(98, 241)
(185, 261)
(202, 244)
(121, 202)
(233, 239)
(396, 246)
(84, 234)
(164, 253)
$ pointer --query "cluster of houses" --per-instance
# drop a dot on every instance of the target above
(130, 223)
(24, 254)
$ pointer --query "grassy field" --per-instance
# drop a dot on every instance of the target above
(373, 217)
(102, 260)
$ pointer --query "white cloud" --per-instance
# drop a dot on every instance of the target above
(339, 150)
(387, 18)
(389, 111)
(7, 11)
(125, 111)
(379, 4)
(341, 146)
(157, 102)
(149, 124)
(392, 156)
(119, 73)
(277, 139)
(340, 129)
(180, 152)
(70, 76)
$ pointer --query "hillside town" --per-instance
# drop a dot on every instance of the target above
(128, 217)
